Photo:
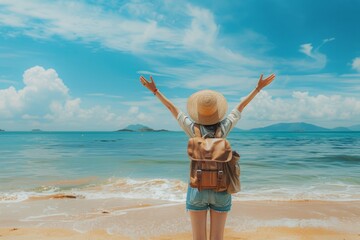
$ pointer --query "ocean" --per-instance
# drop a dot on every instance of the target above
(154, 165)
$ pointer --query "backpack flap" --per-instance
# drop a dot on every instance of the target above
(209, 149)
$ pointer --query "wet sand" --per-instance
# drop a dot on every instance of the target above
(69, 218)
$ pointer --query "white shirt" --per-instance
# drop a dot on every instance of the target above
(226, 124)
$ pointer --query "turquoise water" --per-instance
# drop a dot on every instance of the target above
(275, 165)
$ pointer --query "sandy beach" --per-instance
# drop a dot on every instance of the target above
(69, 218)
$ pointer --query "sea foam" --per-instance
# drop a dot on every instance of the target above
(175, 190)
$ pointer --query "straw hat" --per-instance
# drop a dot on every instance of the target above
(207, 107)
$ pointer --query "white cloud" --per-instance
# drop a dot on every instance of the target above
(140, 9)
(356, 64)
(314, 60)
(104, 95)
(328, 40)
(136, 27)
(7, 81)
(174, 29)
(325, 110)
(11, 19)
(81, 21)
(142, 117)
(202, 35)
(304, 107)
(221, 82)
(223, 77)
(306, 48)
(319, 59)
(134, 109)
(41, 86)
(203, 30)
(45, 102)
(9, 102)
(149, 73)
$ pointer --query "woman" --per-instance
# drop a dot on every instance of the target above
(207, 108)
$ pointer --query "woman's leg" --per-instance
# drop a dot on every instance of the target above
(217, 224)
(198, 224)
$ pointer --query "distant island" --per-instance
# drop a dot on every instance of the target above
(278, 127)
(36, 130)
(1, 130)
(299, 127)
(140, 128)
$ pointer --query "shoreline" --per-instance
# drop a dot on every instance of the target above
(116, 218)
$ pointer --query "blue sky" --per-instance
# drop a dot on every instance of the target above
(75, 65)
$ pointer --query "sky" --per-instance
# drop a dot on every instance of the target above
(75, 65)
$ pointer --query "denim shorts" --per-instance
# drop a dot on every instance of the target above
(203, 200)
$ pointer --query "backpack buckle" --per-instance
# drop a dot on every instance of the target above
(198, 174)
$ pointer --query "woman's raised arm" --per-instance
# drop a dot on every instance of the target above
(261, 84)
(152, 87)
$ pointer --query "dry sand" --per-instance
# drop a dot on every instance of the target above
(262, 233)
(148, 219)
(278, 233)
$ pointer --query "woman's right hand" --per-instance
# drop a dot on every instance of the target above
(152, 87)
(149, 84)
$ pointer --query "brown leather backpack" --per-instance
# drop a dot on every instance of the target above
(213, 163)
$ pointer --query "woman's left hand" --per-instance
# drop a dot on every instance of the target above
(264, 82)
(149, 85)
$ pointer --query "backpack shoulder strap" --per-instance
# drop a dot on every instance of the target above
(197, 130)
